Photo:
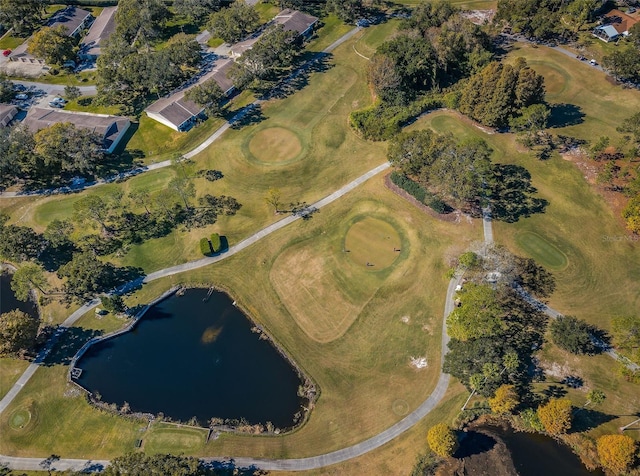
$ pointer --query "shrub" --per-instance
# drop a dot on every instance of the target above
(555, 416)
(442, 440)
(205, 247)
(616, 452)
(504, 400)
(573, 335)
(530, 420)
(418, 192)
(469, 260)
(216, 243)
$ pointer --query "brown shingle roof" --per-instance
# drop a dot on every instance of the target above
(620, 20)
(100, 30)
(108, 127)
(7, 112)
(293, 20)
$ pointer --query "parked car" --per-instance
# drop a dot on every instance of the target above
(22, 96)
(56, 105)
(6, 52)
(18, 87)
(59, 100)
(593, 62)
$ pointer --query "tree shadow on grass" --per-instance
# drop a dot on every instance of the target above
(565, 115)
(252, 114)
(511, 194)
(229, 467)
(68, 344)
(299, 79)
(554, 391)
(585, 419)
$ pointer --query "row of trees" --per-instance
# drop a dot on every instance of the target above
(455, 171)
(51, 155)
(547, 19)
(127, 75)
(435, 48)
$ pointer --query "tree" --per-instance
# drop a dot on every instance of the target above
(384, 79)
(72, 92)
(6, 89)
(442, 440)
(573, 335)
(140, 20)
(616, 452)
(184, 188)
(196, 11)
(24, 16)
(532, 120)
(478, 315)
(580, 12)
(92, 207)
(66, 149)
(273, 199)
(141, 198)
(631, 214)
(27, 277)
(626, 335)
(58, 232)
(140, 464)
(86, 275)
(208, 95)
(624, 62)
(429, 15)
(346, 10)
(595, 397)
(233, 23)
(555, 416)
(20, 243)
(113, 303)
(18, 332)
(53, 45)
(505, 399)
(469, 260)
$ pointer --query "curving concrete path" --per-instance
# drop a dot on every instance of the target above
(166, 163)
(298, 464)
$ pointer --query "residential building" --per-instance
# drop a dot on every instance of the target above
(111, 128)
(7, 113)
(101, 29)
(293, 20)
(74, 19)
(180, 114)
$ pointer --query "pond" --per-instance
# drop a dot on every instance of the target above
(531, 454)
(195, 356)
(8, 300)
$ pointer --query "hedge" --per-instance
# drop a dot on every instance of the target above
(418, 192)
(216, 243)
(382, 122)
(205, 247)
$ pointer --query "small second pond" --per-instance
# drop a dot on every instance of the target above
(195, 356)
(8, 300)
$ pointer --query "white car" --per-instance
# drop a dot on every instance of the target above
(22, 97)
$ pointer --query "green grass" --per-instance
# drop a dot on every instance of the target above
(541, 250)
(92, 107)
(165, 438)
(603, 104)
(10, 42)
(601, 274)
(332, 28)
(10, 371)
(62, 422)
(85, 78)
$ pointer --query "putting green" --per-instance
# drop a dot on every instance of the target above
(275, 145)
(372, 243)
(19, 418)
(541, 250)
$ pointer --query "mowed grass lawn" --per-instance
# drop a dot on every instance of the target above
(577, 238)
(326, 154)
(602, 105)
(363, 372)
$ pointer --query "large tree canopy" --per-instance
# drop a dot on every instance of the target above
(235, 22)
(18, 332)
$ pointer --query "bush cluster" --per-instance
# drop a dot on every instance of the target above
(418, 192)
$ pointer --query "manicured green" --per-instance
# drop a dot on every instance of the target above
(541, 250)
(216, 243)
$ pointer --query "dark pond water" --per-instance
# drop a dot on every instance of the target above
(8, 301)
(535, 455)
(187, 357)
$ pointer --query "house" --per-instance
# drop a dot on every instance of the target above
(72, 18)
(100, 30)
(111, 128)
(606, 33)
(617, 21)
(180, 114)
(7, 113)
(293, 20)
(290, 20)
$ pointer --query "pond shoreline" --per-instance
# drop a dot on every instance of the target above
(307, 392)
